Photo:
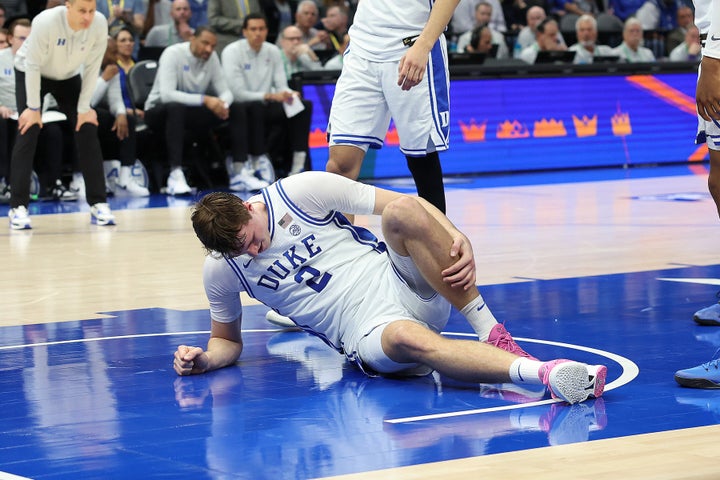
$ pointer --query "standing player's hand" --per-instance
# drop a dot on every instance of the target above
(27, 119)
(190, 360)
(707, 95)
(412, 66)
(461, 274)
(87, 117)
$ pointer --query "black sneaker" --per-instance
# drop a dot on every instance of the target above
(62, 193)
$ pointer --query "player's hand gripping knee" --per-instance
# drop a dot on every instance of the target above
(190, 360)
(461, 274)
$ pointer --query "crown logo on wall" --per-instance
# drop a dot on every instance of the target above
(317, 139)
(621, 124)
(473, 132)
(514, 129)
(549, 128)
(585, 127)
(392, 137)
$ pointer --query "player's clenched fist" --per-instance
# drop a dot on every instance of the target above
(190, 360)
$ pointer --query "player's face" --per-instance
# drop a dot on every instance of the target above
(203, 45)
(255, 32)
(80, 13)
(254, 236)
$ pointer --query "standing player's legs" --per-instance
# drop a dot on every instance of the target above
(422, 119)
(359, 117)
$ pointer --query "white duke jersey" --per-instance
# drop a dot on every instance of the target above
(379, 27)
(318, 269)
(707, 20)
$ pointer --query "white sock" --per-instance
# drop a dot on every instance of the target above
(525, 371)
(479, 317)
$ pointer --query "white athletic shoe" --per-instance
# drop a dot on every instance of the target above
(101, 215)
(19, 218)
(280, 320)
(264, 168)
(176, 183)
(246, 181)
(127, 185)
(77, 184)
(573, 381)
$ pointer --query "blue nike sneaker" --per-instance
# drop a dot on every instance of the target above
(705, 376)
(708, 315)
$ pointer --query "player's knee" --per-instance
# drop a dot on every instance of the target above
(405, 215)
(406, 341)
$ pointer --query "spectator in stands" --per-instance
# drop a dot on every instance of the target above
(125, 43)
(3, 15)
(200, 13)
(545, 39)
(260, 82)
(116, 129)
(227, 17)
(157, 13)
(306, 18)
(464, 20)
(631, 50)
(483, 14)
(334, 34)
(526, 37)
(586, 47)
(624, 9)
(297, 56)
(17, 33)
(183, 100)
(480, 40)
(3, 38)
(177, 31)
(515, 13)
(657, 15)
(279, 14)
(123, 13)
(676, 36)
(690, 49)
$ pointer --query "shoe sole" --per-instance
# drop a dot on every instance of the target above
(101, 223)
(706, 322)
(575, 382)
(279, 320)
(703, 383)
(21, 227)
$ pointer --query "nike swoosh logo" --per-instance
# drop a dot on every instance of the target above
(245, 265)
(714, 38)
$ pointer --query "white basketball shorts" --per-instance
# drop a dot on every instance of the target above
(367, 96)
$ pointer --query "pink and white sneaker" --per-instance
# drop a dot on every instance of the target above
(502, 339)
(573, 382)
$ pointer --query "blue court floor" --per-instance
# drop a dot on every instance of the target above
(99, 399)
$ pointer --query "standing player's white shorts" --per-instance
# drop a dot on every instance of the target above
(407, 296)
(708, 132)
(367, 96)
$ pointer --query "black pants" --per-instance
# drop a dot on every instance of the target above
(112, 147)
(175, 121)
(270, 131)
(8, 128)
(87, 145)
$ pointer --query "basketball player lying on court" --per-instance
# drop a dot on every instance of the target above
(381, 304)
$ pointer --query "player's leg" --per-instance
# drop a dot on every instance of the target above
(405, 344)
(359, 116)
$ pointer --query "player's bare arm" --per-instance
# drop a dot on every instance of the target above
(413, 64)
(223, 349)
(707, 95)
